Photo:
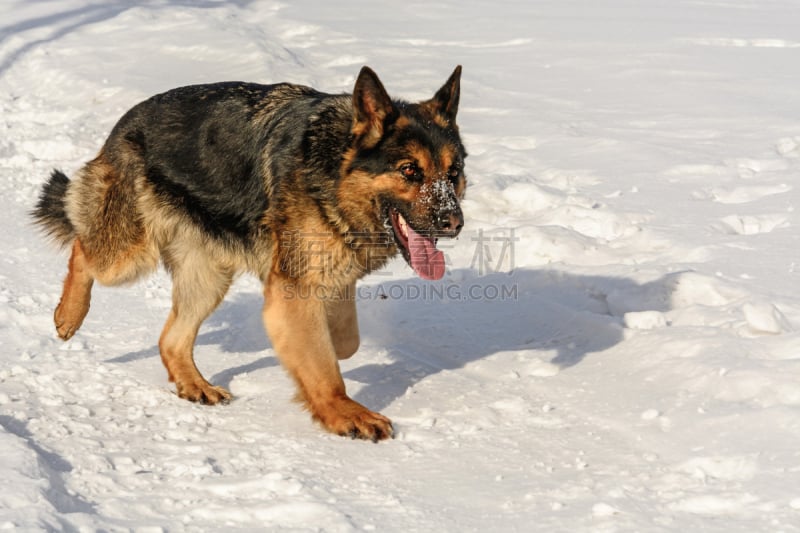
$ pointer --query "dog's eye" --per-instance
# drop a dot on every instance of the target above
(454, 173)
(411, 171)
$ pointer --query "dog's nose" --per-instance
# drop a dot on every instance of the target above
(450, 222)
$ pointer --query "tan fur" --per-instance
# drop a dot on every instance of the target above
(309, 334)
(302, 336)
(118, 248)
(343, 323)
(308, 250)
(74, 303)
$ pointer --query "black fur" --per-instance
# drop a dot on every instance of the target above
(49, 211)
(198, 159)
(207, 152)
(229, 154)
(219, 179)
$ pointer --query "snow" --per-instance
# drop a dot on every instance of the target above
(615, 346)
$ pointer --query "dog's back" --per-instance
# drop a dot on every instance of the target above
(204, 156)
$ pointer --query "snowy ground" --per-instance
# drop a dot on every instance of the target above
(635, 365)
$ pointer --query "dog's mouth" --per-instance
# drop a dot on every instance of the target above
(418, 250)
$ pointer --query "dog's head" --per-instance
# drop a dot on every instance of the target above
(406, 168)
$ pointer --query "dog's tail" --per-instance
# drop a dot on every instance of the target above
(50, 212)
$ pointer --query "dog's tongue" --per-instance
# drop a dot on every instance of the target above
(426, 260)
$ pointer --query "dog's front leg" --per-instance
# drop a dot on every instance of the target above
(343, 322)
(296, 319)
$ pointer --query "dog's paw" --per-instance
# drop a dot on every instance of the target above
(203, 392)
(68, 319)
(348, 418)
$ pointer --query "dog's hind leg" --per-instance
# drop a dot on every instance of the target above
(97, 212)
(198, 287)
(76, 294)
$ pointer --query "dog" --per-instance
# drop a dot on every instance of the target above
(308, 191)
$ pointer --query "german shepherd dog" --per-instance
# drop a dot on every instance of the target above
(218, 179)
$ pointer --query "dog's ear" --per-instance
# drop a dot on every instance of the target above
(373, 108)
(445, 102)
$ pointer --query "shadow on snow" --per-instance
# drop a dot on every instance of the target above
(425, 328)
(562, 316)
(69, 20)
